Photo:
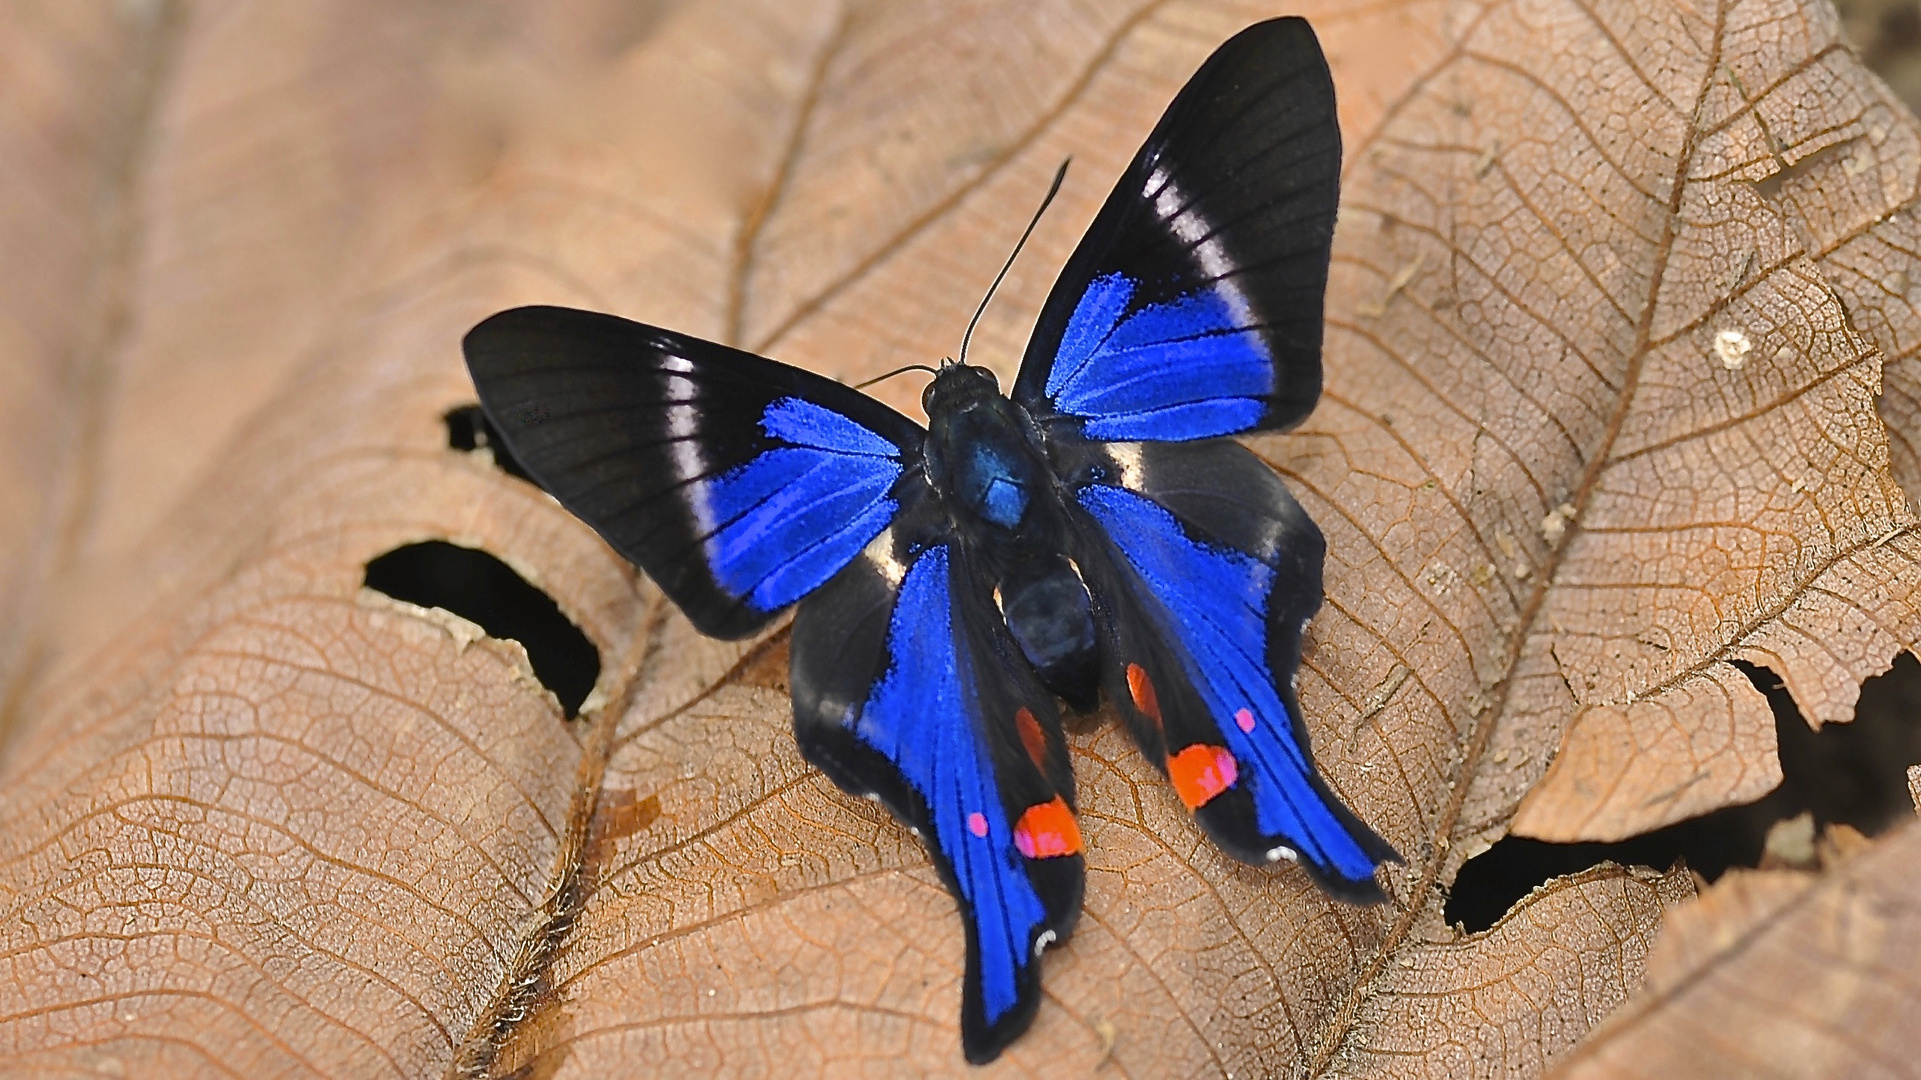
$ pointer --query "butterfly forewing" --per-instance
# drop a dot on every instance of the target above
(1192, 308)
(906, 690)
(739, 484)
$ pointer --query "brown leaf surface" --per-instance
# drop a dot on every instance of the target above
(261, 820)
(70, 78)
(1683, 442)
(1780, 974)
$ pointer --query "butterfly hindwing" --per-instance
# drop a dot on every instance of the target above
(906, 689)
(1204, 572)
(1192, 307)
(737, 483)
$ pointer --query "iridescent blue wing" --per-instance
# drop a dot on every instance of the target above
(908, 690)
(1192, 307)
(737, 483)
(1204, 572)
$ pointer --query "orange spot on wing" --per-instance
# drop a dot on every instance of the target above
(1142, 689)
(1032, 737)
(1048, 830)
(1201, 772)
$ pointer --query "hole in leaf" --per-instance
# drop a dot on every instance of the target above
(1851, 774)
(481, 589)
(469, 429)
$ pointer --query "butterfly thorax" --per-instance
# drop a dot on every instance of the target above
(982, 456)
(984, 460)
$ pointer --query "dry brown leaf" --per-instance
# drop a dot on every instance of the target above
(1704, 407)
(67, 134)
(1780, 974)
(260, 819)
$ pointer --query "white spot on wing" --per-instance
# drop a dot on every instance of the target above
(689, 461)
(1041, 943)
(1279, 853)
(1176, 211)
(879, 554)
(1128, 462)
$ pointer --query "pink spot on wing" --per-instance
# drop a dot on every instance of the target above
(977, 824)
(1244, 720)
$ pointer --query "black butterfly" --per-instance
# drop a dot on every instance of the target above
(1092, 532)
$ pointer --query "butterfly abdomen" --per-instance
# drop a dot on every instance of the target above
(1051, 618)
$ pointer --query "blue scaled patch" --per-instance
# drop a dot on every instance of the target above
(803, 423)
(921, 717)
(789, 518)
(1186, 369)
(991, 483)
(1211, 604)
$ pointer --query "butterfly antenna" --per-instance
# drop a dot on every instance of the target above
(1059, 175)
(896, 371)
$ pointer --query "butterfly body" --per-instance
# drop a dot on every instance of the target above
(1090, 534)
(987, 463)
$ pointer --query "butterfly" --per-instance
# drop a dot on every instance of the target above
(1093, 534)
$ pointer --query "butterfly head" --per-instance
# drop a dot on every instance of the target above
(958, 387)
